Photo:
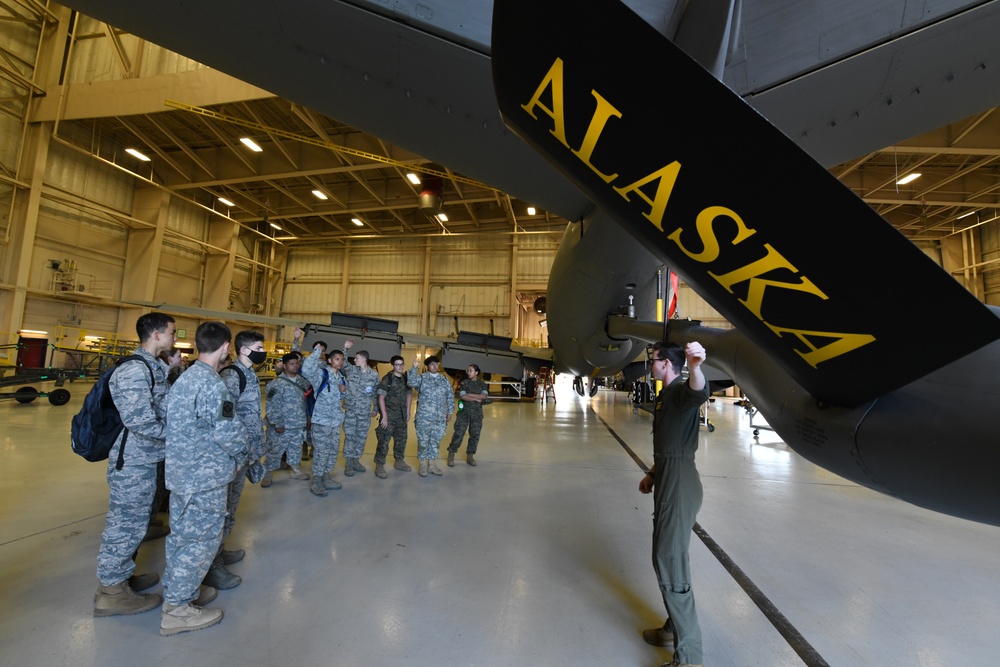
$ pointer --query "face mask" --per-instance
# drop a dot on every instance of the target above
(257, 356)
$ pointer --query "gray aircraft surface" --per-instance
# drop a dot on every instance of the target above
(649, 151)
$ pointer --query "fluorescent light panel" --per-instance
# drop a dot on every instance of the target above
(442, 217)
(531, 210)
(274, 225)
(136, 154)
(32, 331)
(357, 222)
(226, 201)
(909, 178)
(320, 195)
(413, 178)
(251, 144)
(965, 215)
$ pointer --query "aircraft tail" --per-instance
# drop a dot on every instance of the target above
(752, 223)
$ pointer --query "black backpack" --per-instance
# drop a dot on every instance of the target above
(97, 425)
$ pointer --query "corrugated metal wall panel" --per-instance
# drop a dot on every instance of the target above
(97, 247)
(188, 219)
(10, 136)
(315, 264)
(81, 174)
(178, 279)
(469, 278)
(989, 238)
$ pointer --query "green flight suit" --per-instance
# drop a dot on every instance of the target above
(677, 496)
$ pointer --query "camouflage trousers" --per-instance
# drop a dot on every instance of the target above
(473, 421)
(326, 446)
(129, 504)
(429, 434)
(196, 522)
(356, 425)
(396, 432)
(233, 494)
(288, 443)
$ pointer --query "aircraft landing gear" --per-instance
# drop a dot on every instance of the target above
(593, 388)
(578, 385)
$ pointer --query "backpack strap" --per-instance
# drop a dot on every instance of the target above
(294, 384)
(325, 383)
(239, 371)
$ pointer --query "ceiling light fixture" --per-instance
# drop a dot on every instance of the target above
(275, 226)
(320, 195)
(32, 331)
(226, 201)
(965, 215)
(531, 210)
(909, 178)
(413, 178)
(136, 154)
(357, 222)
(442, 217)
(251, 144)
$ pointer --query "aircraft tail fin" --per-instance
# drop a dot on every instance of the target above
(752, 223)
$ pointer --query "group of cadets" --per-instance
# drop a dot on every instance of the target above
(203, 436)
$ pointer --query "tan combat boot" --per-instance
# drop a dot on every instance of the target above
(298, 473)
(432, 467)
(470, 459)
(267, 479)
(451, 459)
(331, 483)
(402, 466)
(422, 471)
(380, 470)
(120, 600)
(175, 619)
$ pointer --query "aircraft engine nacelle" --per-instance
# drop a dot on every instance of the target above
(595, 271)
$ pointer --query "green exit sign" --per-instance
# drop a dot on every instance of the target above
(182, 333)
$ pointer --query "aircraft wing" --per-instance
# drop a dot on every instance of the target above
(675, 159)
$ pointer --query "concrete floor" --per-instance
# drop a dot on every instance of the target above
(538, 556)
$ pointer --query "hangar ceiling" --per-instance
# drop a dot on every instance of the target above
(314, 180)
(199, 156)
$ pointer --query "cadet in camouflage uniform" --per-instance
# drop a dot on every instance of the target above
(394, 398)
(138, 389)
(360, 406)
(323, 372)
(206, 444)
(471, 394)
(435, 403)
(242, 382)
(286, 419)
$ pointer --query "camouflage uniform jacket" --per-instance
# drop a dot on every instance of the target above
(360, 389)
(205, 440)
(142, 407)
(435, 398)
(328, 411)
(396, 390)
(286, 401)
(248, 406)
